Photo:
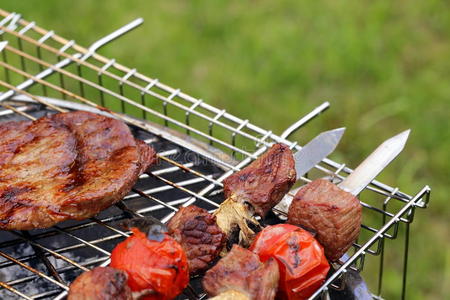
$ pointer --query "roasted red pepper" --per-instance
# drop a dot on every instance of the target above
(301, 259)
(157, 268)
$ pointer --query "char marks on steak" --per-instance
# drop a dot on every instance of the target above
(66, 166)
(100, 284)
(332, 213)
(264, 182)
(242, 271)
(197, 232)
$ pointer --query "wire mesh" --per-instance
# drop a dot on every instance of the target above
(198, 146)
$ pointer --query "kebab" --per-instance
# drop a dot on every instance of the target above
(256, 189)
(284, 261)
(197, 231)
(303, 273)
(334, 212)
(203, 235)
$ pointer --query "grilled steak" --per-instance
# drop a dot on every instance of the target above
(197, 232)
(264, 182)
(332, 213)
(100, 284)
(242, 271)
(66, 166)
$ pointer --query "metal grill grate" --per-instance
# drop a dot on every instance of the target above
(198, 146)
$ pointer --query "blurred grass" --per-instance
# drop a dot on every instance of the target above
(384, 66)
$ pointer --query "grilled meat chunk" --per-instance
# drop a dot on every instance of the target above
(242, 271)
(197, 232)
(264, 182)
(255, 189)
(66, 166)
(100, 284)
(332, 213)
(230, 295)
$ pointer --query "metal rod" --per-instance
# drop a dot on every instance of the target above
(193, 194)
(11, 289)
(54, 253)
(39, 253)
(405, 261)
(33, 270)
(311, 115)
(17, 90)
(28, 83)
(112, 36)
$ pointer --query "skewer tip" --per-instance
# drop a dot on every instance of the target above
(399, 139)
(404, 135)
(336, 133)
(3, 45)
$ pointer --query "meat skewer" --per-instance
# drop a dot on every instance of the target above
(194, 227)
(333, 212)
(200, 236)
(257, 188)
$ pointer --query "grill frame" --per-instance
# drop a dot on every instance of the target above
(52, 55)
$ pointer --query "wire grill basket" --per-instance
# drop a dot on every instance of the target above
(198, 145)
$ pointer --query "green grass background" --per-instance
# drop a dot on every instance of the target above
(383, 65)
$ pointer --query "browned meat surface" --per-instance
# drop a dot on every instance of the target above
(242, 271)
(332, 213)
(197, 232)
(264, 182)
(100, 284)
(65, 166)
(230, 295)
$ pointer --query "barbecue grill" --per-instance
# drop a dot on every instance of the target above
(198, 146)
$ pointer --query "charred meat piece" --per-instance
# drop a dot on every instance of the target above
(230, 295)
(197, 232)
(242, 271)
(264, 182)
(255, 189)
(66, 166)
(100, 284)
(333, 214)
